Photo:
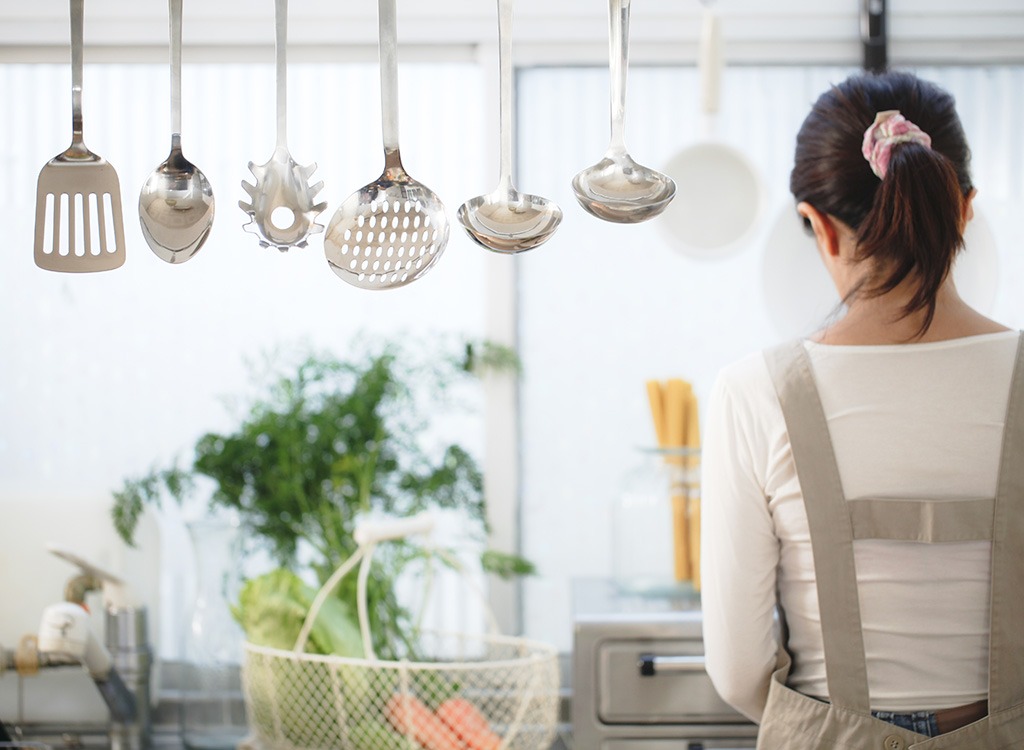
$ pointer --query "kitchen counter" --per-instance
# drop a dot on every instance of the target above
(91, 733)
(165, 737)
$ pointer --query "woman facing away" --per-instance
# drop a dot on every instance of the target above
(863, 506)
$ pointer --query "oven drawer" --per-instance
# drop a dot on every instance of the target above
(657, 681)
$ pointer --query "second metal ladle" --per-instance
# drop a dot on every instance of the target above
(506, 220)
(617, 188)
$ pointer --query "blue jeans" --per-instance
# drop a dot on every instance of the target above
(922, 722)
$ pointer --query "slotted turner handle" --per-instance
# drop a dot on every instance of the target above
(78, 148)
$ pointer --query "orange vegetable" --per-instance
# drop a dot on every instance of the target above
(410, 716)
(469, 724)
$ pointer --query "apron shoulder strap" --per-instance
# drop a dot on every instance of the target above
(829, 522)
(1006, 643)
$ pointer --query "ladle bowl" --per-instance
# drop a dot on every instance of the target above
(176, 208)
(507, 221)
(618, 189)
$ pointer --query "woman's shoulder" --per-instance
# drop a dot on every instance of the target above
(746, 381)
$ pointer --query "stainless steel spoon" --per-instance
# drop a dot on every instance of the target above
(617, 188)
(176, 204)
(282, 211)
(506, 220)
(392, 231)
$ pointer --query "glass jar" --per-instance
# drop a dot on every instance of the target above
(212, 708)
(655, 524)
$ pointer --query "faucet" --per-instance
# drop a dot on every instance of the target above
(120, 669)
(66, 637)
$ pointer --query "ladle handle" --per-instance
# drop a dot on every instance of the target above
(388, 50)
(710, 62)
(281, 49)
(174, 8)
(77, 42)
(618, 57)
(505, 104)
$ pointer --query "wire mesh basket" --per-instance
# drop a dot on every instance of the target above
(465, 692)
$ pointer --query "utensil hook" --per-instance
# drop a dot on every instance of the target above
(874, 35)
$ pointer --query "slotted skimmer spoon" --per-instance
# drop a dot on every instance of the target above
(282, 212)
(507, 221)
(176, 204)
(82, 184)
(392, 231)
(617, 188)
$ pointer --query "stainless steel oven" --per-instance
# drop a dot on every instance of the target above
(638, 676)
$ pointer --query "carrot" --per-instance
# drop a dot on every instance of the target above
(410, 716)
(469, 724)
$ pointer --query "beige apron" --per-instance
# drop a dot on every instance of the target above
(793, 721)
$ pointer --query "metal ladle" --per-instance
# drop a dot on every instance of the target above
(617, 188)
(506, 220)
(282, 211)
(393, 230)
(176, 204)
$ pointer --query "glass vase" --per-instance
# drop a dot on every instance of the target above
(212, 708)
(655, 524)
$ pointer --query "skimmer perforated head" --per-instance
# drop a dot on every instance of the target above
(387, 234)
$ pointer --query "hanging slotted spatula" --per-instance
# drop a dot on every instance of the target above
(84, 185)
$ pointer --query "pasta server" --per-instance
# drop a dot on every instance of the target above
(282, 211)
(84, 186)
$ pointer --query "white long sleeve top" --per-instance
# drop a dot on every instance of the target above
(915, 420)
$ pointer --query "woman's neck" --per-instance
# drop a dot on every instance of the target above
(877, 320)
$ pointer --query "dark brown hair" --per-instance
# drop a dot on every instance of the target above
(910, 222)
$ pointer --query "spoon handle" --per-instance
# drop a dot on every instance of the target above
(505, 104)
(388, 51)
(281, 47)
(618, 57)
(174, 6)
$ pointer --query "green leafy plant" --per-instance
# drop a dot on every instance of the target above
(331, 441)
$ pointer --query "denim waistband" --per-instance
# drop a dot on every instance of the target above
(922, 722)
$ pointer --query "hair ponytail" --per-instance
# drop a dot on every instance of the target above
(910, 223)
(914, 227)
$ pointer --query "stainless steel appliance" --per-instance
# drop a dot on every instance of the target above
(638, 675)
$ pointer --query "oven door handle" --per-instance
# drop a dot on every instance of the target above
(651, 664)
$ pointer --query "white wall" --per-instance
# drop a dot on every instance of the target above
(606, 307)
(103, 376)
(665, 30)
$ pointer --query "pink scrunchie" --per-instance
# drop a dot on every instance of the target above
(888, 129)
